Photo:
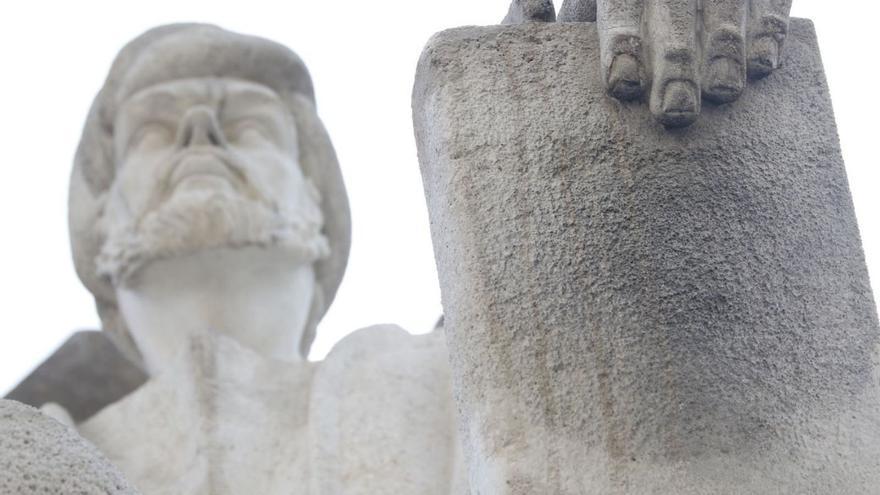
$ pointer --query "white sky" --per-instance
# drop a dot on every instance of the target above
(362, 55)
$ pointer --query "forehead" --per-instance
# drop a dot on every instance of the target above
(203, 91)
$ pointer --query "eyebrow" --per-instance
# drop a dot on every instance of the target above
(154, 102)
(250, 96)
(242, 105)
(149, 109)
(155, 96)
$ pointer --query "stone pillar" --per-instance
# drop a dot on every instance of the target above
(635, 310)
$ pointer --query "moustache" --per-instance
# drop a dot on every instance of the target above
(200, 161)
(203, 161)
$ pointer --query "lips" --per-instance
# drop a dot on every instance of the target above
(201, 165)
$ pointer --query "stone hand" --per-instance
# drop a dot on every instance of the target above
(679, 50)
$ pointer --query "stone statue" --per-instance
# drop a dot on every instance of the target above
(636, 310)
(630, 310)
(161, 175)
(209, 219)
(676, 49)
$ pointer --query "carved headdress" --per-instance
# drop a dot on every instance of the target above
(184, 51)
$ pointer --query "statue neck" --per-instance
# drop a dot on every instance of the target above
(257, 296)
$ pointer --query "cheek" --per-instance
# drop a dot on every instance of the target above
(274, 174)
(138, 180)
(150, 139)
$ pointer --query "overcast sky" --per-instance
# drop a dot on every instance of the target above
(362, 56)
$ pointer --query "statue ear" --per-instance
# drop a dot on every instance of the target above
(319, 164)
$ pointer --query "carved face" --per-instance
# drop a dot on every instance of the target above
(206, 163)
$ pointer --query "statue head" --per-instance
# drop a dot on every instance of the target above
(202, 139)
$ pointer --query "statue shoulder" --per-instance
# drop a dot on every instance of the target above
(382, 415)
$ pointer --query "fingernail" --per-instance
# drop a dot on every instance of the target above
(624, 80)
(724, 80)
(680, 105)
(763, 57)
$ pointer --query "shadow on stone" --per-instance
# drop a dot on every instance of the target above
(87, 373)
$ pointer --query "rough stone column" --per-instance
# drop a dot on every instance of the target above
(632, 310)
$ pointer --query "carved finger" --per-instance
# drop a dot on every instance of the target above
(671, 33)
(768, 28)
(530, 11)
(577, 11)
(724, 49)
(620, 43)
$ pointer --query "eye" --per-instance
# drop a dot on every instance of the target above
(150, 133)
(245, 129)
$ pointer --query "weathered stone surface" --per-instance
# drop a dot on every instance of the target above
(578, 11)
(87, 373)
(530, 11)
(636, 310)
(684, 51)
(39, 456)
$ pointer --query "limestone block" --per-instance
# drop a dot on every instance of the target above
(636, 310)
(38, 455)
(87, 373)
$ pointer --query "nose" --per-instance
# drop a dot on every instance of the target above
(200, 128)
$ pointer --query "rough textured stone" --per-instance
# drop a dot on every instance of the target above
(530, 11)
(85, 374)
(577, 11)
(636, 310)
(39, 456)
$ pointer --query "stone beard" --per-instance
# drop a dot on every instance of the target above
(202, 183)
